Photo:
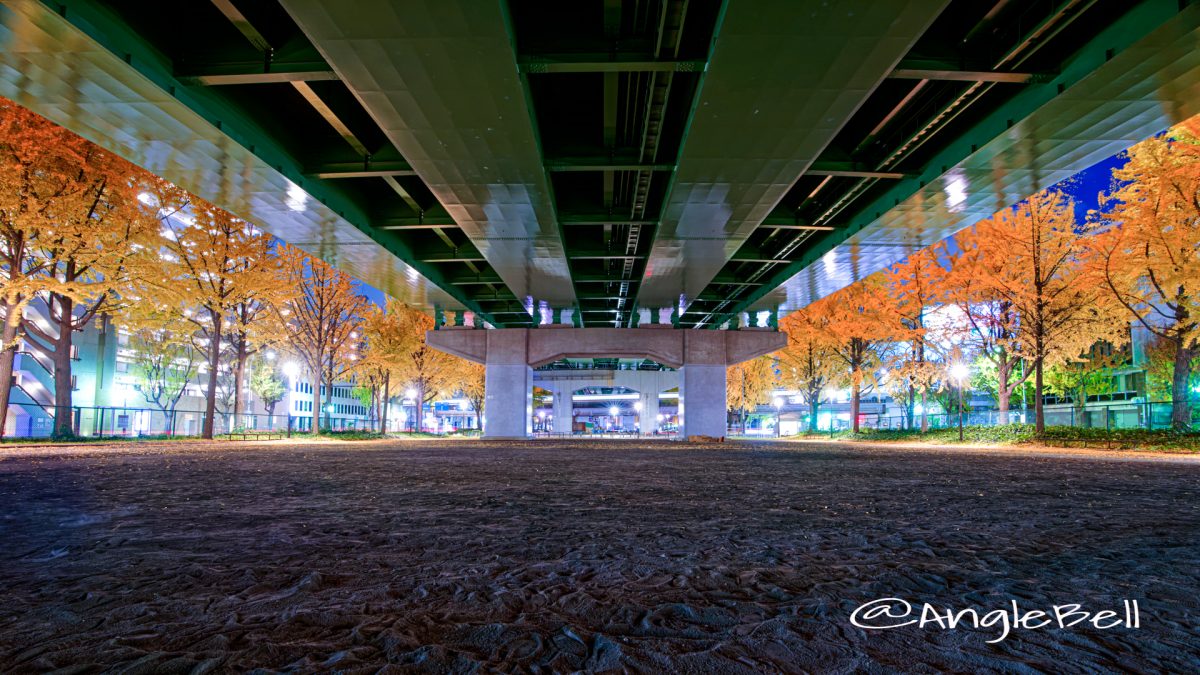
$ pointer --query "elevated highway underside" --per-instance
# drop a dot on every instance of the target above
(696, 158)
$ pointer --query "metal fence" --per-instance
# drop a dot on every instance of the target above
(1110, 416)
(37, 421)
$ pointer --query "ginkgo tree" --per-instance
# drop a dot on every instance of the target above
(1148, 256)
(73, 233)
(989, 323)
(915, 286)
(383, 348)
(425, 370)
(164, 363)
(808, 363)
(750, 384)
(861, 325)
(318, 317)
(1059, 314)
(211, 264)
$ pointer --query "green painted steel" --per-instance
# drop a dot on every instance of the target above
(697, 157)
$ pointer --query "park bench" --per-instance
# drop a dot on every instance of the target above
(255, 435)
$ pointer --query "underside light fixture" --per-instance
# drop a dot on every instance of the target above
(638, 406)
(614, 411)
(956, 190)
(829, 261)
(297, 198)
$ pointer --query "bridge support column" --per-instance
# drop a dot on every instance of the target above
(564, 411)
(702, 401)
(648, 418)
(508, 386)
(508, 392)
(700, 355)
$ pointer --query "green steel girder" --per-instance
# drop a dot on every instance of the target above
(367, 168)
(266, 72)
(92, 19)
(545, 65)
(1166, 102)
(565, 164)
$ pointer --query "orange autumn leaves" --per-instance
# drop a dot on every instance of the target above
(1034, 286)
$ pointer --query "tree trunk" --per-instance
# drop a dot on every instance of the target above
(210, 397)
(924, 411)
(855, 395)
(1039, 408)
(1003, 394)
(1181, 409)
(61, 360)
(239, 374)
(419, 404)
(12, 321)
(812, 414)
(318, 372)
(384, 403)
(1003, 399)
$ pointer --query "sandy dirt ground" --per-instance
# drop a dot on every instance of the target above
(604, 556)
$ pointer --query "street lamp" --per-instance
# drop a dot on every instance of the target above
(291, 370)
(614, 413)
(959, 372)
(778, 403)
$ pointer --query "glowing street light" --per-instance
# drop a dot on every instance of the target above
(959, 372)
(411, 394)
(291, 370)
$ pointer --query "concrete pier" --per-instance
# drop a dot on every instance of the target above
(510, 354)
